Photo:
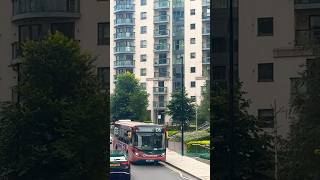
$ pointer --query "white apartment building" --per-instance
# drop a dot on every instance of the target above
(152, 39)
(21, 20)
(271, 36)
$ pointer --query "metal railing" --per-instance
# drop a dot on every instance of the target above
(124, 49)
(124, 63)
(159, 104)
(205, 2)
(161, 4)
(126, 21)
(124, 7)
(162, 47)
(162, 18)
(124, 35)
(161, 74)
(162, 61)
(161, 33)
(205, 31)
(31, 6)
(160, 90)
(206, 60)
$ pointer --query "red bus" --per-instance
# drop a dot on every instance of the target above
(143, 142)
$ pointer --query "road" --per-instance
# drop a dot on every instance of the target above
(157, 172)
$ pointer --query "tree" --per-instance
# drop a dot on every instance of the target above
(181, 107)
(302, 160)
(57, 131)
(129, 100)
(204, 108)
(252, 156)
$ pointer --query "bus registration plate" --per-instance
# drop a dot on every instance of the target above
(149, 160)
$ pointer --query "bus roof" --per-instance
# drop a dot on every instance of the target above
(135, 123)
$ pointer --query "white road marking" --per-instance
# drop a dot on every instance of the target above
(175, 170)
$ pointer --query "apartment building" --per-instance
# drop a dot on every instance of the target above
(272, 34)
(21, 20)
(158, 40)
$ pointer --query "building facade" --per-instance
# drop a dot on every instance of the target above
(22, 20)
(159, 40)
(272, 35)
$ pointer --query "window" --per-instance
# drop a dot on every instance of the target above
(192, 12)
(265, 26)
(143, 85)
(143, 15)
(66, 28)
(194, 98)
(219, 72)
(143, 72)
(192, 26)
(103, 33)
(192, 40)
(143, 2)
(265, 72)
(143, 58)
(193, 84)
(143, 44)
(29, 32)
(266, 118)
(192, 55)
(193, 69)
(102, 74)
(143, 29)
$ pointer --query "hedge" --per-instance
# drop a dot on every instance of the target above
(192, 136)
(203, 143)
(172, 132)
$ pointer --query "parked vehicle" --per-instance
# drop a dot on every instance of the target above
(119, 165)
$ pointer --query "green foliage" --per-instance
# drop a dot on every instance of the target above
(203, 143)
(181, 108)
(204, 108)
(129, 100)
(252, 154)
(192, 136)
(57, 130)
(301, 158)
(171, 133)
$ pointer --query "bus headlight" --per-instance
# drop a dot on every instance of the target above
(137, 154)
(163, 154)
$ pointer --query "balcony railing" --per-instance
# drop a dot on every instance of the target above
(161, 33)
(205, 46)
(205, 17)
(159, 104)
(205, 31)
(178, 4)
(161, 47)
(126, 21)
(126, 35)
(160, 90)
(306, 1)
(124, 49)
(206, 60)
(161, 4)
(124, 7)
(205, 2)
(124, 63)
(161, 62)
(23, 9)
(161, 74)
(304, 37)
(161, 19)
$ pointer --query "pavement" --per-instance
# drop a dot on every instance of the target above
(188, 165)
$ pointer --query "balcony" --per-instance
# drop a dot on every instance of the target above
(161, 62)
(304, 37)
(206, 31)
(16, 53)
(159, 104)
(178, 4)
(124, 22)
(161, 33)
(205, 2)
(160, 90)
(205, 17)
(307, 4)
(161, 4)
(161, 47)
(124, 8)
(126, 35)
(161, 74)
(26, 9)
(161, 19)
(206, 46)
(124, 63)
(206, 60)
(124, 49)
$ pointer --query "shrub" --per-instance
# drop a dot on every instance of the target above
(192, 136)
(173, 132)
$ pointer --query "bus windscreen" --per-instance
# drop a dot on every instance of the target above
(149, 141)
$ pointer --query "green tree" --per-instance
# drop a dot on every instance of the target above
(129, 100)
(302, 160)
(204, 108)
(57, 131)
(181, 107)
(252, 155)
